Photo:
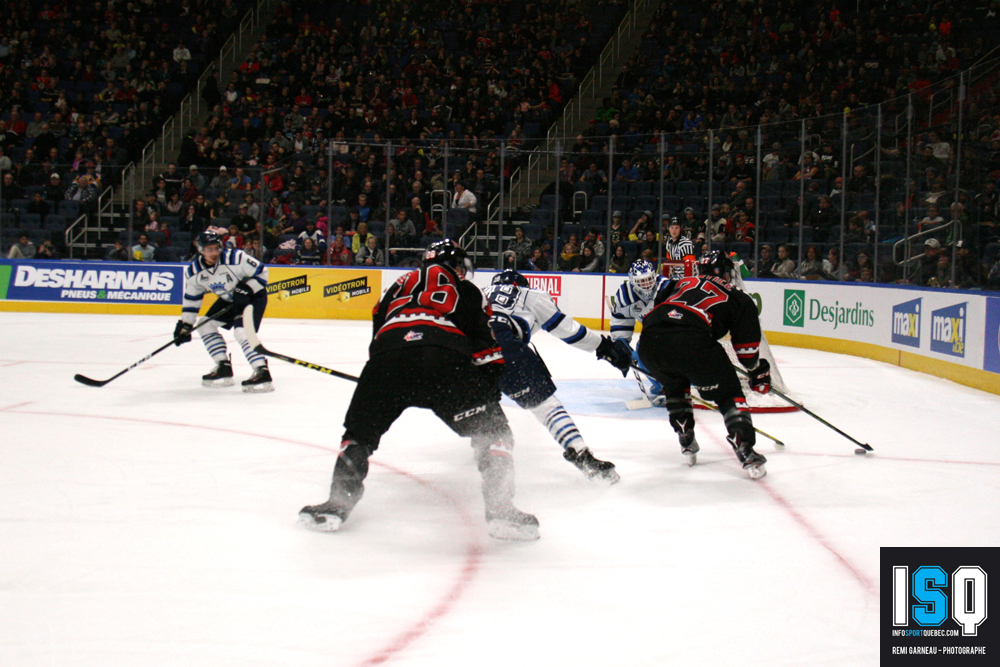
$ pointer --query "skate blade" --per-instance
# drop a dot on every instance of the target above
(324, 523)
(608, 476)
(261, 388)
(500, 529)
(691, 457)
(756, 471)
(215, 384)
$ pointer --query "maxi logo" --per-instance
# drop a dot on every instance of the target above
(795, 308)
(906, 323)
(991, 341)
(948, 330)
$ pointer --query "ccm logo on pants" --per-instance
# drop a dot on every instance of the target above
(468, 413)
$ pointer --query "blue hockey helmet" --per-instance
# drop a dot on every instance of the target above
(206, 239)
(449, 253)
(510, 277)
(642, 277)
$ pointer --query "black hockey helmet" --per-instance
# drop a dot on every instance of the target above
(206, 239)
(449, 253)
(510, 277)
(715, 263)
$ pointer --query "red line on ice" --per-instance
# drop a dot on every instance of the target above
(814, 532)
(473, 552)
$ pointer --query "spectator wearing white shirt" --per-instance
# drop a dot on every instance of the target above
(464, 199)
(181, 53)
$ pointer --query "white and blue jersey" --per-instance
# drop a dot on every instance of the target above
(525, 311)
(627, 307)
(233, 267)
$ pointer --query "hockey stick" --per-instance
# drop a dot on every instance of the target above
(259, 347)
(83, 379)
(698, 400)
(864, 446)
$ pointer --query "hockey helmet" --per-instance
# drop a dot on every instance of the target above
(642, 277)
(206, 239)
(449, 253)
(715, 263)
(510, 277)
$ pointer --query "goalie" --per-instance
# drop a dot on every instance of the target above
(679, 347)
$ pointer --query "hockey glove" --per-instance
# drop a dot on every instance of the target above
(182, 333)
(242, 294)
(760, 377)
(616, 352)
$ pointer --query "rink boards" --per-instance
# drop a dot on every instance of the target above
(949, 333)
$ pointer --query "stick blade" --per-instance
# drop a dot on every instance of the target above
(83, 379)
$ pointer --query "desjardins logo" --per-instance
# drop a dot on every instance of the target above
(798, 309)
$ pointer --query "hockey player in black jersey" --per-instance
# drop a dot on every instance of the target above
(432, 348)
(679, 346)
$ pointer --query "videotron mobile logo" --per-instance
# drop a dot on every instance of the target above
(289, 287)
(948, 330)
(795, 308)
(906, 323)
(348, 289)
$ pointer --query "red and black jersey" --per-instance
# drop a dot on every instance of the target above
(712, 304)
(432, 306)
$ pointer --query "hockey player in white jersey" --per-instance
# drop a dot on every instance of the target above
(238, 280)
(629, 305)
(519, 312)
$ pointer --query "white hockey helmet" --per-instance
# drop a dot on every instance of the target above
(642, 278)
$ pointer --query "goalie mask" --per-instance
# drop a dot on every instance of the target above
(642, 278)
(448, 253)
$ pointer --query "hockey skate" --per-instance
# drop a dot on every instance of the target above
(510, 523)
(326, 518)
(752, 462)
(221, 375)
(259, 382)
(689, 448)
(590, 466)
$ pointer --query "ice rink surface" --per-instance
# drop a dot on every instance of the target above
(153, 521)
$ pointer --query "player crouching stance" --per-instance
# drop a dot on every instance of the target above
(432, 348)
(679, 346)
(237, 279)
(519, 312)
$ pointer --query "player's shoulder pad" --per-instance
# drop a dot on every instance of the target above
(193, 268)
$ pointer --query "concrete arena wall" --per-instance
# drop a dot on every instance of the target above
(948, 333)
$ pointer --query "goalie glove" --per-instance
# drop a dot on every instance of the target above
(182, 333)
(760, 377)
(616, 352)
